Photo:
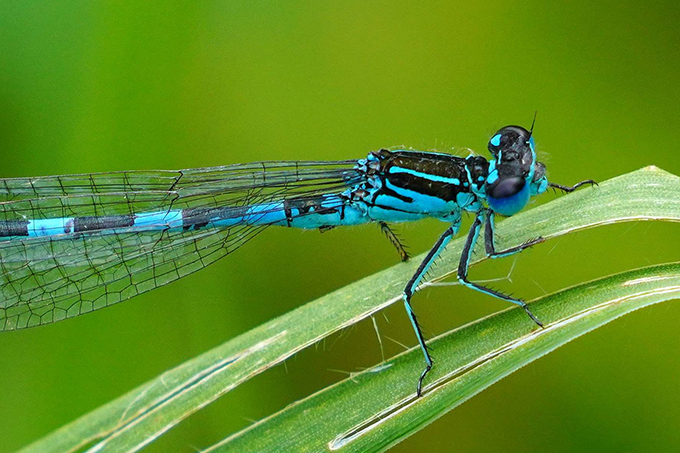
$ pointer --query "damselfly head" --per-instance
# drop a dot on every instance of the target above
(513, 148)
(514, 173)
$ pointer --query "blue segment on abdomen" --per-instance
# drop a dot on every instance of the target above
(158, 220)
(260, 214)
(326, 210)
(349, 215)
(331, 210)
(50, 227)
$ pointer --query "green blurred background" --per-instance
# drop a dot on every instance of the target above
(95, 86)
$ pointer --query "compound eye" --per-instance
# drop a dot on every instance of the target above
(508, 196)
(506, 187)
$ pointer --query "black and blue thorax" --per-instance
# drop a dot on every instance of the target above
(405, 185)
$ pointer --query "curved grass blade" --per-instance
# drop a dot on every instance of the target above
(143, 414)
(377, 408)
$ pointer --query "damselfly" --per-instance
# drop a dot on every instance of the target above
(77, 243)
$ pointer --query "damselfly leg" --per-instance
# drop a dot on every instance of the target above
(568, 189)
(490, 243)
(463, 267)
(394, 240)
(411, 286)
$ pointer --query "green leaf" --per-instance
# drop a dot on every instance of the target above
(148, 411)
(377, 408)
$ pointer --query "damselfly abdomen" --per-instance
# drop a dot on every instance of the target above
(76, 243)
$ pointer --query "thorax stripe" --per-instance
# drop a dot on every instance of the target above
(436, 178)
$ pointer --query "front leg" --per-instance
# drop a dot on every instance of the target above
(568, 189)
(490, 245)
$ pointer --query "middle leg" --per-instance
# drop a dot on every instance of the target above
(411, 286)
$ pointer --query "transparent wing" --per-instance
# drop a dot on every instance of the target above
(45, 279)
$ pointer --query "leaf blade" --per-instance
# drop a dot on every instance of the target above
(369, 412)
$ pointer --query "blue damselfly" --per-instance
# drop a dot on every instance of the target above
(76, 243)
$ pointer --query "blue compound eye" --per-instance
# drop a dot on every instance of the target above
(508, 196)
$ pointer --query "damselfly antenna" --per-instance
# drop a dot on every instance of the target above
(531, 131)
